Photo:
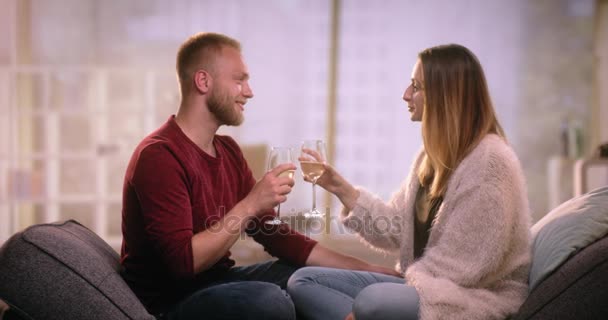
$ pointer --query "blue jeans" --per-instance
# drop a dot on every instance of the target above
(326, 293)
(250, 292)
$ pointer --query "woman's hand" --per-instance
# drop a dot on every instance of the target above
(350, 316)
(332, 181)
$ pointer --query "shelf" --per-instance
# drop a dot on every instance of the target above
(89, 155)
(68, 200)
(581, 168)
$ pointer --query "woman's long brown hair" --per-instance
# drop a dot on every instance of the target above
(458, 113)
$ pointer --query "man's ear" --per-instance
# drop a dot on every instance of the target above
(202, 81)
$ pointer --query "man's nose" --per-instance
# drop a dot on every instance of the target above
(247, 92)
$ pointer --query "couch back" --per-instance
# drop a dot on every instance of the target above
(570, 261)
(576, 290)
(65, 271)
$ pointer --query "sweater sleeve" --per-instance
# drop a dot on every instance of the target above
(381, 224)
(160, 185)
(282, 241)
(376, 222)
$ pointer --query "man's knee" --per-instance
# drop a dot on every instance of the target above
(238, 300)
(269, 301)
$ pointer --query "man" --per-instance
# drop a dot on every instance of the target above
(189, 194)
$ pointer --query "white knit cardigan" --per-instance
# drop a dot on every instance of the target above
(477, 259)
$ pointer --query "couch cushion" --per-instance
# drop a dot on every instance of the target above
(567, 229)
(576, 290)
(65, 271)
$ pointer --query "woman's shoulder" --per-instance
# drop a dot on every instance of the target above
(493, 159)
(491, 150)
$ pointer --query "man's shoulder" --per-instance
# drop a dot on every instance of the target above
(154, 142)
(157, 147)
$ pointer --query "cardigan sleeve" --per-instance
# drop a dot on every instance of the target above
(376, 222)
(383, 224)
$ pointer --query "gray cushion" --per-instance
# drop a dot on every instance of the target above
(65, 271)
(576, 290)
(567, 229)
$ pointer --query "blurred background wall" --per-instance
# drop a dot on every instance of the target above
(82, 81)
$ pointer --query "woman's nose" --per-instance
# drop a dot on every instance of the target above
(406, 95)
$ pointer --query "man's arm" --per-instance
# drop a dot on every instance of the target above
(210, 245)
(324, 257)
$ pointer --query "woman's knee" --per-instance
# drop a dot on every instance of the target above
(387, 301)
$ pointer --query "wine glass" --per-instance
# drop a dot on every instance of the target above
(312, 157)
(278, 156)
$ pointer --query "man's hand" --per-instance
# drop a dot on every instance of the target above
(350, 316)
(324, 257)
(209, 247)
(271, 190)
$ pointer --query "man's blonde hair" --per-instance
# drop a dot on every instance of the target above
(457, 115)
(199, 52)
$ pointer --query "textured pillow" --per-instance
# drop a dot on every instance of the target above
(65, 271)
(567, 229)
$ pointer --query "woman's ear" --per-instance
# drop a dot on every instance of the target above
(202, 81)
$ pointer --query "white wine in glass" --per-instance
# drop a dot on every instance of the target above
(312, 159)
(278, 156)
(287, 173)
(312, 170)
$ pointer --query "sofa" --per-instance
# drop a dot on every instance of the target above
(65, 271)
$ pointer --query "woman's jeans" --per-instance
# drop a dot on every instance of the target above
(249, 292)
(326, 293)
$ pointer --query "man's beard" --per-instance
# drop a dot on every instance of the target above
(222, 107)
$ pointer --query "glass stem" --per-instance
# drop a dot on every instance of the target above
(314, 197)
(279, 211)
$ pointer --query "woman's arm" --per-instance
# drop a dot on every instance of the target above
(379, 223)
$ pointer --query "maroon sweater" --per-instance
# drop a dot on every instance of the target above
(172, 190)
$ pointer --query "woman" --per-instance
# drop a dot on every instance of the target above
(460, 220)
